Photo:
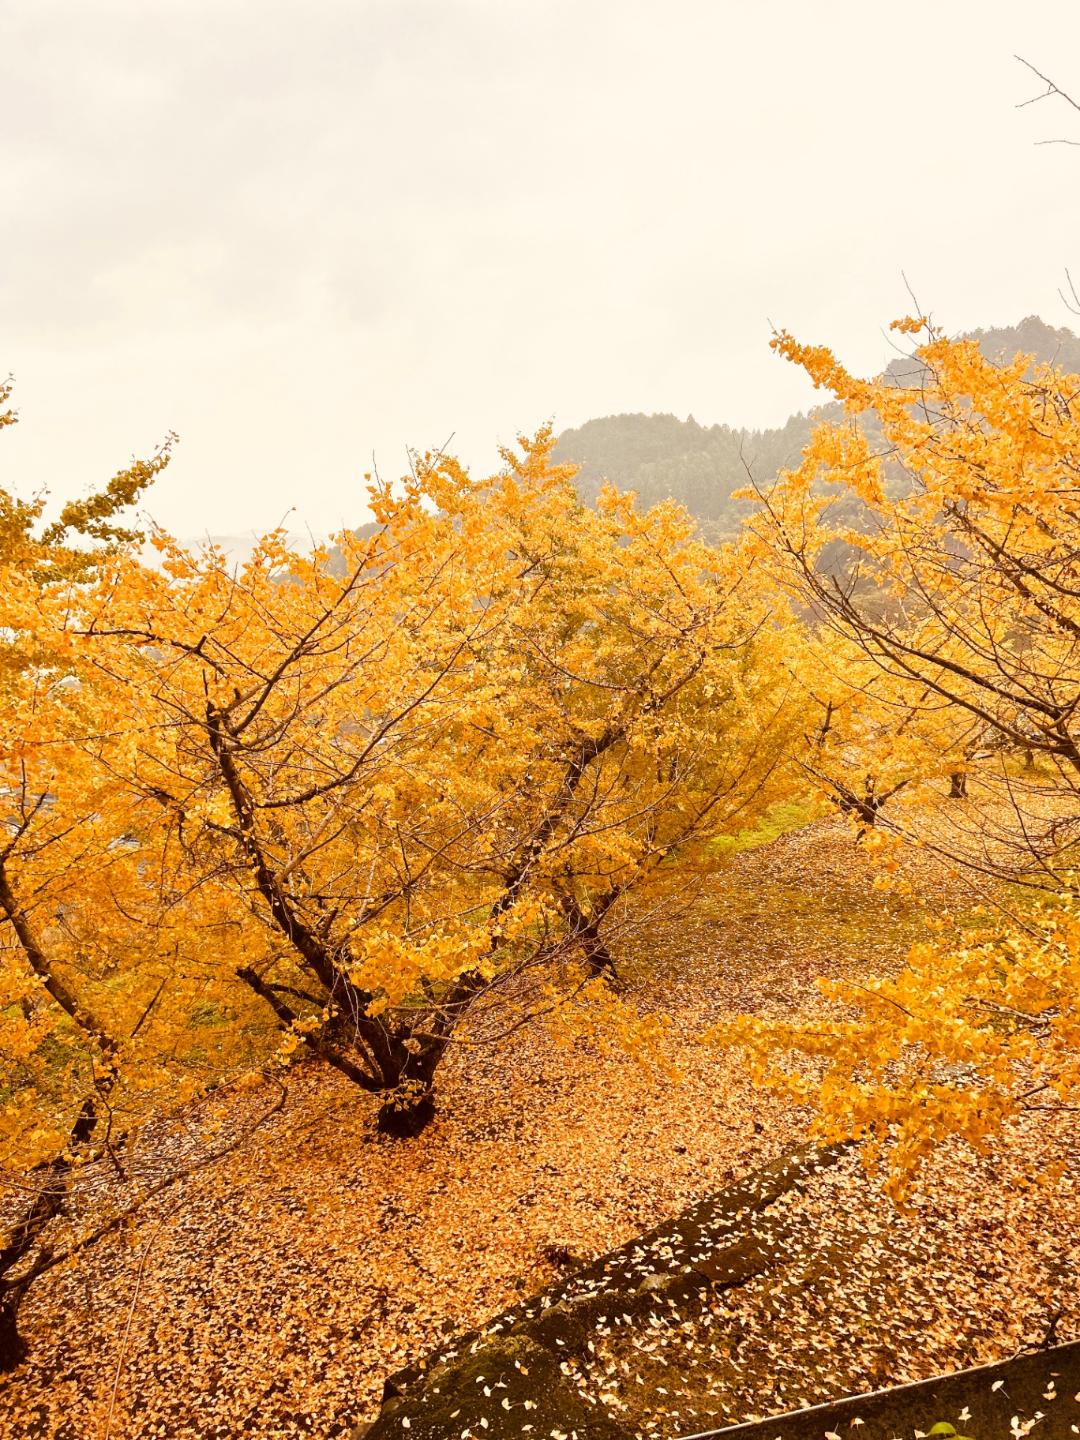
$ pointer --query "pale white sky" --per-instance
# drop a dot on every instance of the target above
(298, 233)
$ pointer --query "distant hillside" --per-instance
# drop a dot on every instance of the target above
(661, 456)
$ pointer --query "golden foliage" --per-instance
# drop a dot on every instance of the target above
(287, 810)
(947, 641)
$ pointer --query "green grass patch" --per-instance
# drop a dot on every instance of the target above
(779, 819)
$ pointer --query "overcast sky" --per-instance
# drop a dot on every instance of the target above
(301, 233)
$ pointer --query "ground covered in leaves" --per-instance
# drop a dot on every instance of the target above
(980, 1266)
(270, 1293)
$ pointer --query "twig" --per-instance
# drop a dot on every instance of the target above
(1051, 90)
(130, 1318)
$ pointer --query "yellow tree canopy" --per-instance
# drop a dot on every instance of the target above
(934, 540)
(336, 808)
(88, 945)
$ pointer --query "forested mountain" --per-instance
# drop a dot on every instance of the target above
(661, 456)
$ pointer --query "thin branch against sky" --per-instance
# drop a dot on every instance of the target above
(1052, 90)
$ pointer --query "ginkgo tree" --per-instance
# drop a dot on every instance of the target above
(948, 651)
(352, 811)
(423, 788)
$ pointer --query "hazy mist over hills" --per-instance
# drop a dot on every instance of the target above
(661, 456)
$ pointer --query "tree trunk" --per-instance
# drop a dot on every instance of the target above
(27, 1233)
(404, 1119)
(410, 1107)
(12, 1346)
(586, 931)
(958, 785)
(597, 956)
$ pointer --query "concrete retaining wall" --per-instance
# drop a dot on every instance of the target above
(1036, 1395)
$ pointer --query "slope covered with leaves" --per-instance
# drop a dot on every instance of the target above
(270, 1294)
